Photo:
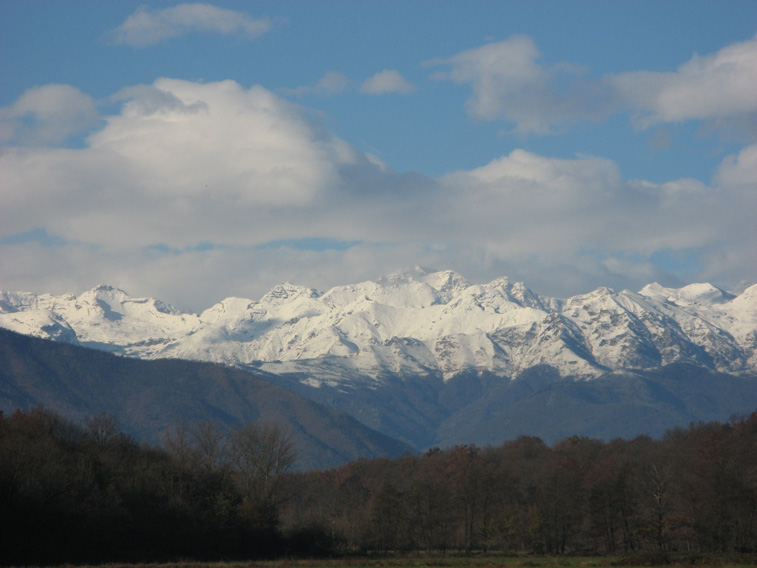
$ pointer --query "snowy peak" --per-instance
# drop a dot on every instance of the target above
(17, 301)
(517, 293)
(103, 317)
(415, 324)
(287, 292)
(229, 308)
(693, 294)
(445, 281)
(38, 323)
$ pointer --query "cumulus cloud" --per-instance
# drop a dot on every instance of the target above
(509, 82)
(190, 191)
(47, 115)
(147, 27)
(554, 207)
(186, 162)
(387, 81)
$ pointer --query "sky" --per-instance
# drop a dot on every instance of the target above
(196, 151)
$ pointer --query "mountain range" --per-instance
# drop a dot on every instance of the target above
(429, 358)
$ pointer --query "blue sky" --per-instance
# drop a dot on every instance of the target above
(196, 151)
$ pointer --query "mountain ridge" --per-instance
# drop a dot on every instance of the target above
(428, 359)
(412, 325)
(149, 398)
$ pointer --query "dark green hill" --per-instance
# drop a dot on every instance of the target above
(147, 397)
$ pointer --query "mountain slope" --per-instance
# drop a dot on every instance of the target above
(149, 396)
(620, 404)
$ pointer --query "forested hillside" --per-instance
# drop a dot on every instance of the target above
(74, 493)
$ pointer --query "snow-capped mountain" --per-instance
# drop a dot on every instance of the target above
(412, 325)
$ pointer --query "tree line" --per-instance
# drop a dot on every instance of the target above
(88, 493)
(693, 491)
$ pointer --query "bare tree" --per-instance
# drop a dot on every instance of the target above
(210, 442)
(102, 427)
(656, 486)
(259, 455)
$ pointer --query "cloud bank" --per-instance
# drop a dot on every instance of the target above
(195, 191)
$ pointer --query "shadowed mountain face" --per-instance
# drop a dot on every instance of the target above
(485, 409)
(344, 424)
(616, 405)
(147, 397)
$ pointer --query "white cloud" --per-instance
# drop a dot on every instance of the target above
(145, 27)
(549, 211)
(55, 111)
(496, 72)
(739, 170)
(386, 81)
(508, 82)
(185, 163)
(717, 86)
(733, 253)
(524, 204)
